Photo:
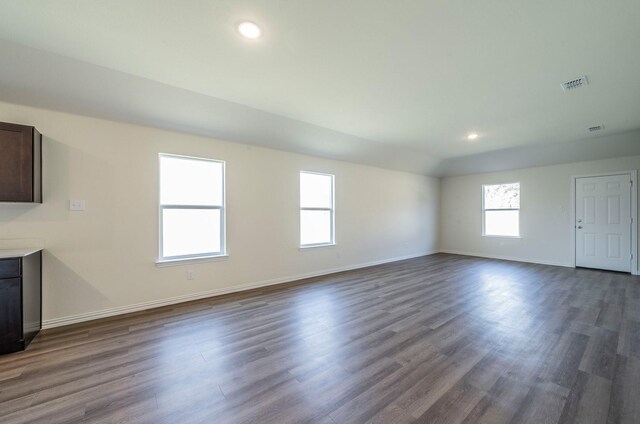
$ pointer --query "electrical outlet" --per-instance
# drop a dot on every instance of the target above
(76, 205)
(190, 275)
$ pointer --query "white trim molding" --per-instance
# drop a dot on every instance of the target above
(120, 310)
(506, 258)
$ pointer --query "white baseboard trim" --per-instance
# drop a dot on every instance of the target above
(120, 310)
(506, 258)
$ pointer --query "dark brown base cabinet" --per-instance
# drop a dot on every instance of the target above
(20, 300)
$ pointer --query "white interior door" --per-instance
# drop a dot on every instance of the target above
(603, 222)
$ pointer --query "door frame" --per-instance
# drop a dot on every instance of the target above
(633, 174)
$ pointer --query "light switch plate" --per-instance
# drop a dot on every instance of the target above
(76, 205)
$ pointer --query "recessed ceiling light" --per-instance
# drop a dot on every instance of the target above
(472, 136)
(249, 30)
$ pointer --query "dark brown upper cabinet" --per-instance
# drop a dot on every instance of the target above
(20, 164)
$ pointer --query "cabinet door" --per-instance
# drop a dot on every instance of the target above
(10, 312)
(16, 163)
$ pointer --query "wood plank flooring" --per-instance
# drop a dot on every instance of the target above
(438, 339)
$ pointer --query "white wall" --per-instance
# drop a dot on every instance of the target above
(102, 261)
(545, 214)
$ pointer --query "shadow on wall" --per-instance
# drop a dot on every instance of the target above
(21, 243)
(66, 290)
(55, 177)
(11, 211)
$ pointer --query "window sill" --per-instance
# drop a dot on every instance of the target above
(186, 261)
(508, 237)
(315, 246)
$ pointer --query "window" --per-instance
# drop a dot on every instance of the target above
(501, 210)
(316, 209)
(191, 208)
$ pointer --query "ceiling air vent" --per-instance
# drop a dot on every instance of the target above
(596, 128)
(575, 83)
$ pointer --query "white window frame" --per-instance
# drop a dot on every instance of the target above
(484, 211)
(221, 208)
(331, 210)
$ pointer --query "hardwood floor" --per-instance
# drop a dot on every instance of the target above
(439, 339)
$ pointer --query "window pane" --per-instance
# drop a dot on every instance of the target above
(502, 223)
(185, 181)
(315, 227)
(502, 196)
(316, 190)
(190, 231)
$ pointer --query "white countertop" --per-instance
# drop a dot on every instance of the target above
(18, 253)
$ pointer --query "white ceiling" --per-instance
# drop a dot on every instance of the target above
(369, 77)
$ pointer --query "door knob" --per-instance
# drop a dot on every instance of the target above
(579, 227)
